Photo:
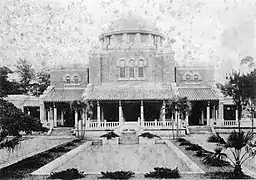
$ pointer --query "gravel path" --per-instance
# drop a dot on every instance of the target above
(27, 148)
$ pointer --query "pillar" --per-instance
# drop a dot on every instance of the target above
(202, 116)
(42, 112)
(51, 116)
(62, 117)
(76, 120)
(55, 116)
(208, 114)
(236, 116)
(186, 119)
(221, 113)
(98, 113)
(120, 112)
(163, 109)
(142, 113)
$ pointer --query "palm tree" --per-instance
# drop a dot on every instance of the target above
(179, 105)
(236, 141)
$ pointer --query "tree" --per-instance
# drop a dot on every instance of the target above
(26, 73)
(241, 88)
(42, 82)
(179, 105)
(5, 84)
(13, 120)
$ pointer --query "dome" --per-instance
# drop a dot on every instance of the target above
(131, 24)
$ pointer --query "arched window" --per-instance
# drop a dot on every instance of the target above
(188, 77)
(68, 79)
(131, 69)
(196, 77)
(122, 69)
(141, 68)
(76, 79)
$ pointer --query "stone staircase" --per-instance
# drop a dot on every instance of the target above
(129, 132)
(200, 130)
(97, 142)
(62, 131)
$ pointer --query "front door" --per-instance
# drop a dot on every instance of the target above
(131, 111)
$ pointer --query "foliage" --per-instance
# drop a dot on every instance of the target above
(202, 153)
(26, 74)
(185, 143)
(117, 175)
(216, 159)
(162, 172)
(180, 104)
(236, 141)
(225, 175)
(216, 138)
(148, 135)
(110, 135)
(241, 87)
(13, 120)
(10, 144)
(42, 81)
(181, 140)
(193, 147)
(67, 174)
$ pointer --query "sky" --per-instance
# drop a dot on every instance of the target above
(53, 32)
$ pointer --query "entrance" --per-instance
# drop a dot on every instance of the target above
(131, 111)
(195, 117)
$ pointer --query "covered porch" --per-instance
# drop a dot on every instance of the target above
(143, 106)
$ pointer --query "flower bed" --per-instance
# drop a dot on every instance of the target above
(112, 141)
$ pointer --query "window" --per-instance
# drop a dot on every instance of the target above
(141, 69)
(143, 37)
(122, 69)
(68, 79)
(131, 69)
(132, 37)
(188, 77)
(76, 79)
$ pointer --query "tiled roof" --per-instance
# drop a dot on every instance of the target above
(24, 100)
(128, 92)
(198, 94)
(64, 95)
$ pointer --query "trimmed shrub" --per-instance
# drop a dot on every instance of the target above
(216, 139)
(161, 172)
(148, 135)
(117, 175)
(67, 174)
(181, 140)
(110, 135)
(193, 147)
(185, 143)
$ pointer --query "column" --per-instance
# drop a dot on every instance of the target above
(221, 113)
(202, 116)
(98, 113)
(208, 114)
(76, 122)
(55, 116)
(62, 117)
(51, 117)
(120, 112)
(236, 116)
(142, 113)
(42, 112)
(186, 119)
(163, 109)
(84, 119)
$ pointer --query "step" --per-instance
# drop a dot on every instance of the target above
(62, 132)
(200, 129)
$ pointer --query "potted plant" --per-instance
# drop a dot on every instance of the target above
(110, 138)
(147, 138)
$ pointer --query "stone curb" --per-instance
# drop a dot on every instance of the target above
(193, 166)
(48, 168)
(32, 154)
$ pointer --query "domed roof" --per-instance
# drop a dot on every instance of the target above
(131, 24)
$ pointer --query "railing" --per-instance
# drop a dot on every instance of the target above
(230, 123)
(101, 125)
(168, 124)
